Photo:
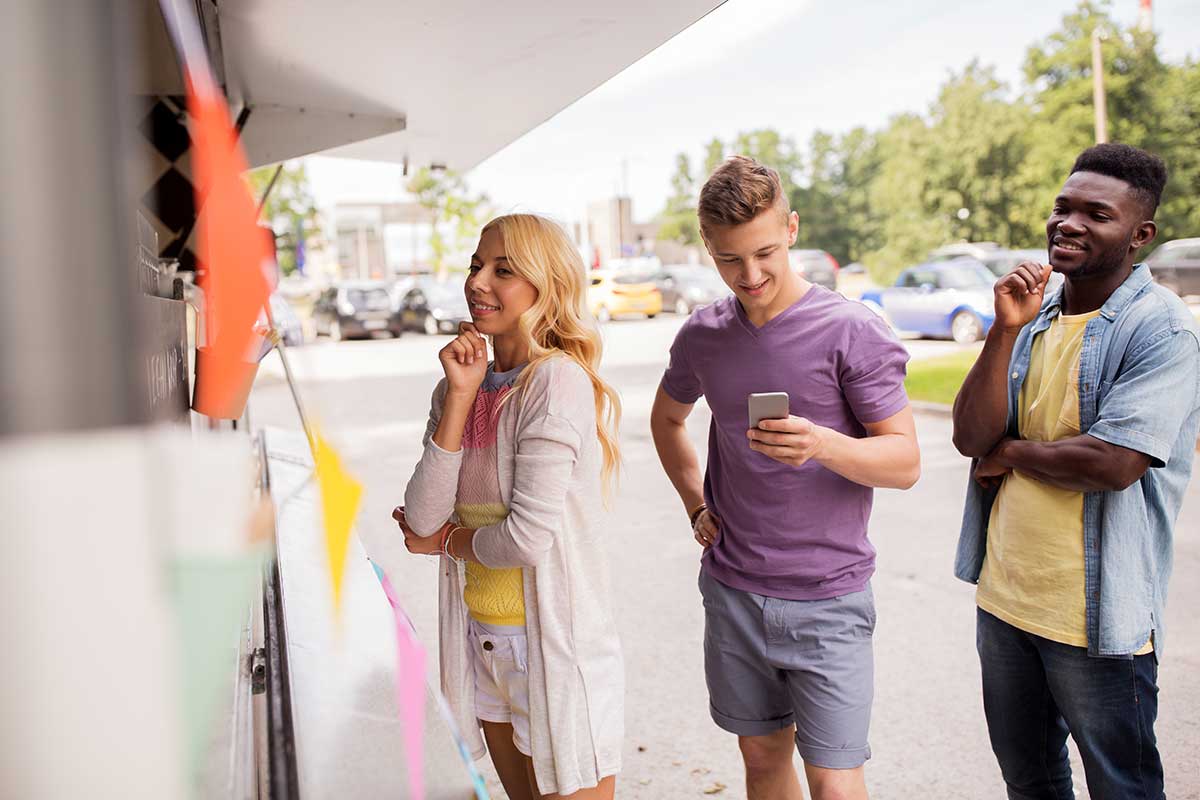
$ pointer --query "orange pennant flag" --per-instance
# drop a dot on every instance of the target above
(232, 251)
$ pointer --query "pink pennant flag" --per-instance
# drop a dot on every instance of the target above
(410, 690)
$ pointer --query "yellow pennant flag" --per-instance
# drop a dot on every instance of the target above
(340, 495)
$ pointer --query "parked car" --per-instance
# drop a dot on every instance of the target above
(853, 280)
(613, 294)
(1176, 265)
(1000, 261)
(355, 309)
(976, 250)
(816, 266)
(939, 299)
(399, 286)
(686, 287)
(433, 307)
(291, 330)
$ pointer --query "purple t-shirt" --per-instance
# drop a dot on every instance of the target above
(798, 533)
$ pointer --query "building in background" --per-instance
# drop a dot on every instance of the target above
(609, 234)
(609, 230)
(382, 240)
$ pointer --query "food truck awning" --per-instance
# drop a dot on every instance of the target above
(427, 82)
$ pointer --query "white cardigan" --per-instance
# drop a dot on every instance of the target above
(549, 467)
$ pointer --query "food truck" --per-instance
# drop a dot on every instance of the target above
(169, 630)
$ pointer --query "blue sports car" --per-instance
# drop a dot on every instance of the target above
(946, 299)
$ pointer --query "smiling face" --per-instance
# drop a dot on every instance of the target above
(496, 295)
(752, 259)
(1096, 227)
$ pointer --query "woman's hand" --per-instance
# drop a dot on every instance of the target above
(464, 361)
(420, 545)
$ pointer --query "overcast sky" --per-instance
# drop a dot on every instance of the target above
(793, 65)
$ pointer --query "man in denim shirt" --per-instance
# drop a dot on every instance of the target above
(1081, 414)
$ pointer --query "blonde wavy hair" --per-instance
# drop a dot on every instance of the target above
(559, 323)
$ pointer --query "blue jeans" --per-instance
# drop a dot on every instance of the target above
(1036, 692)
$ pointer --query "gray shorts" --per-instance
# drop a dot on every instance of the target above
(771, 663)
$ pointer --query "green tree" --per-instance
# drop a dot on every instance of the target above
(832, 197)
(978, 140)
(290, 210)
(714, 154)
(861, 163)
(899, 198)
(767, 146)
(678, 221)
(1179, 215)
(455, 214)
(982, 163)
(1058, 71)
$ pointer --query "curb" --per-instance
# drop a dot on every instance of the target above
(931, 409)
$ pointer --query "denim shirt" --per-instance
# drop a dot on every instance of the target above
(1139, 388)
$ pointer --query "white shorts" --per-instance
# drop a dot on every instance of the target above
(501, 678)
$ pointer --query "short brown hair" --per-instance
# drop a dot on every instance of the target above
(738, 191)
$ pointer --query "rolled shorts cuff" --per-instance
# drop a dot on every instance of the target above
(749, 727)
(833, 758)
(519, 741)
(486, 714)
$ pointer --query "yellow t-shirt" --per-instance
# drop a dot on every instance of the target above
(1033, 574)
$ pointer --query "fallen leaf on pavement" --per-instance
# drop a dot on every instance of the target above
(716, 788)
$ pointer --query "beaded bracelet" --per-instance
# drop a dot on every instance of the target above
(445, 548)
(695, 514)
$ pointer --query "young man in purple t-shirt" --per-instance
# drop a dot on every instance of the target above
(782, 509)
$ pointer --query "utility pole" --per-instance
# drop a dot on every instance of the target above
(1145, 16)
(1099, 101)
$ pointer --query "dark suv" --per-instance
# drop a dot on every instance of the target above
(355, 310)
(1176, 265)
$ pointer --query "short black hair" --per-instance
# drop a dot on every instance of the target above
(1145, 172)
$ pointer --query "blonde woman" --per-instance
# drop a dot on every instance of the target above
(519, 451)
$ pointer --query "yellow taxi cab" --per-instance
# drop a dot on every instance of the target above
(613, 294)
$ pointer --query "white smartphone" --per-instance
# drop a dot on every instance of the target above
(767, 405)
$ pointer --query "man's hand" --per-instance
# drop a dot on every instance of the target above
(419, 545)
(793, 441)
(1019, 295)
(707, 529)
(989, 472)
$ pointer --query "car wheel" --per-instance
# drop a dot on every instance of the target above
(603, 315)
(335, 331)
(965, 327)
(651, 316)
(681, 307)
(431, 326)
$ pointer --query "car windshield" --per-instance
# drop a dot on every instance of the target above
(1001, 264)
(708, 277)
(965, 278)
(632, 277)
(368, 298)
(444, 294)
